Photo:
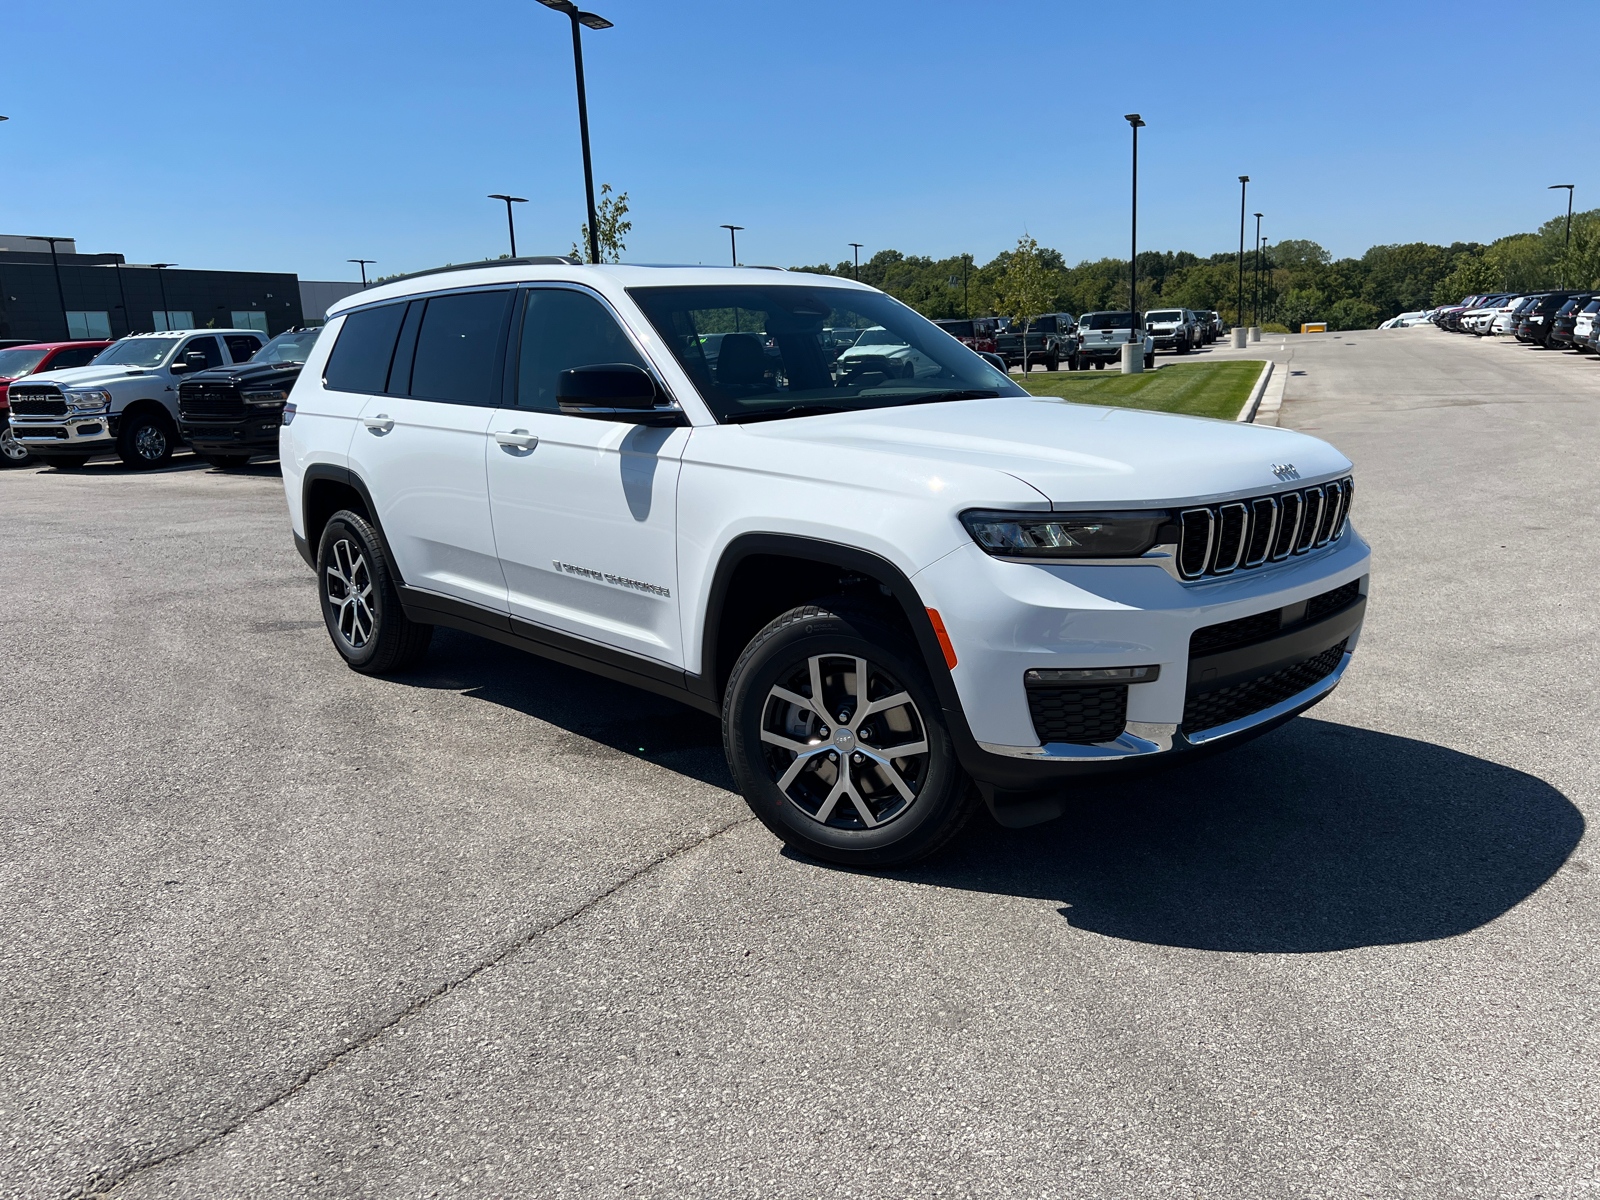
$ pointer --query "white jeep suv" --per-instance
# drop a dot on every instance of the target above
(890, 586)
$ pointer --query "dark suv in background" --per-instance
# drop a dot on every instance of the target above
(1566, 318)
(228, 414)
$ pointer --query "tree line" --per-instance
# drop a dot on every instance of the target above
(1299, 280)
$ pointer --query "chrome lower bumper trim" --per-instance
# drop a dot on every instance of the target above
(1148, 737)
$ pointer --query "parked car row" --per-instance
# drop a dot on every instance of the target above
(1556, 320)
(1054, 340)
(220, 390)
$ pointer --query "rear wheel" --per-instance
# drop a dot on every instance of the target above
(1150, 361)
(12, 452)
(1054, 362)
(1099, 364)
(146, 441)
(836, 739)
(360, 603)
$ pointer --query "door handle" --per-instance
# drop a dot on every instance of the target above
(518, 439)
(382, 423)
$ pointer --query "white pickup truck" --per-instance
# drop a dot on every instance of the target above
(125, 402)
(1101, 336)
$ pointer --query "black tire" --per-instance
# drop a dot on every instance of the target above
(1054, 362)
(66, 462)
(12, 452)
(1181, 347)
(224, 462)
(1075, 363)
(370, 629)
(1099, 364)
(146, 441)
(1150, 361)
(811, 813)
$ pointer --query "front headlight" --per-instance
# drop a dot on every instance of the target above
(87, 400)
(265, 397)
(1066, 535)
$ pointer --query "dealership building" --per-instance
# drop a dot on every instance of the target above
(53, 293)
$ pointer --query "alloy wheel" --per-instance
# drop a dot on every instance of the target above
(844, 742)
(349, 589)
(150, 443)
(11, 448)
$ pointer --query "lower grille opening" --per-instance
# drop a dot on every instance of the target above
(1081, 715)
(1236, 701)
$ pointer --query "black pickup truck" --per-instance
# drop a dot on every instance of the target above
(1052, 340)
(228, 414)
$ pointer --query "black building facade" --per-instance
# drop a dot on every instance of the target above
(102, 296)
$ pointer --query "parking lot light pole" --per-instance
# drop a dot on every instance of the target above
(510, 224)
(1244, 182)
(593, 22)
(1255, 302)
(733, 243)
(1137, 123)
(966, 297)
(1568, 245)
(856, 246)
(166, 313)
(363, 262)
(61, 294)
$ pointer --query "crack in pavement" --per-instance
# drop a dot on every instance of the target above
(99, 1187)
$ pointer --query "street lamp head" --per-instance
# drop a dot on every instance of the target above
(1134, 119)
(1244, 179)
(1554, 186)
(1258, 216)
(507, 199)
(730, 226)
(567, 8)
(162, 266)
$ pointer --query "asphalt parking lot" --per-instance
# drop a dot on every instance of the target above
(499, 928)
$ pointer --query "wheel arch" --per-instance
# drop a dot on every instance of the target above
(325, 489)
(145, 405)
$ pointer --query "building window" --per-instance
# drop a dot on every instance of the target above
(89, 326)
(250, 320)
(172, 319)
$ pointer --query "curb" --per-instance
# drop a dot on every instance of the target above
(1248, 412)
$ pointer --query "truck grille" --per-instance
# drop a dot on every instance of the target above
(1084, 715)
(1210, 709)
(37, 401)
(211, 403)
(1243, 630)
(1244, 534)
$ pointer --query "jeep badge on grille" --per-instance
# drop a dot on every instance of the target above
(1285, 471)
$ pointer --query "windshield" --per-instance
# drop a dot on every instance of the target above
(136, 352)
(1163, 316)
(14, 363)
(1108, 320)
(778, 354)
(287, 348)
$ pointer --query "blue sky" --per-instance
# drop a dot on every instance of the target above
(293, 138)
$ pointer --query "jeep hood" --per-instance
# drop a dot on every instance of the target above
(1078, 454)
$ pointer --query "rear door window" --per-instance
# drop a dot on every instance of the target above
(459, 347)
(241, 346)
(360, 358)
(202, 345)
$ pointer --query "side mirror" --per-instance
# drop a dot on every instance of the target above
(611, 392)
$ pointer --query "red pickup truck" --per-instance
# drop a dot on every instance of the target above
(17, 361)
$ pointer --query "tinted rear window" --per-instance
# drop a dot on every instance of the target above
(1109, 320)
(458, 348)
(360, 358)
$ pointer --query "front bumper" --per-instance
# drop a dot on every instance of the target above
(76, 434)
(1006, 618)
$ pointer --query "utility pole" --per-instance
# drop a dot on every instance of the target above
(1255, 304)
(166, 313)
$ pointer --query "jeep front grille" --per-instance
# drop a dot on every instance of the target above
(1243, 534)
(1210, 709)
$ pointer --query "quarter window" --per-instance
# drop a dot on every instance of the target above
(360, 358)
(563, 329)
(458, 348)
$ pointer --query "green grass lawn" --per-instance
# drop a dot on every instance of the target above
(1197, 389)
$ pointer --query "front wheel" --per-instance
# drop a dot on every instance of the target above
(1150, 361)
(12, 452)
(360, 603)
(146, 441)
(837, 741)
